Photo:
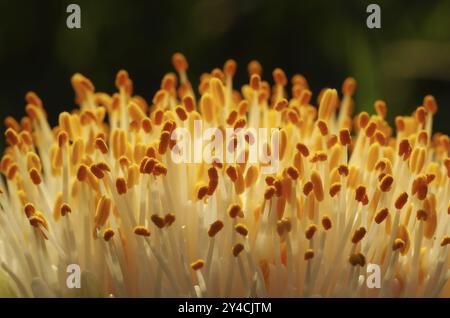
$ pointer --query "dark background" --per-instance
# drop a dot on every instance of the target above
(325, 41)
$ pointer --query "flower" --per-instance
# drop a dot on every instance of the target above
(100, 191)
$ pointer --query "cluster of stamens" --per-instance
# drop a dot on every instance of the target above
(101, 190)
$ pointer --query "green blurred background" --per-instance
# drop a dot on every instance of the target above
(325, 41)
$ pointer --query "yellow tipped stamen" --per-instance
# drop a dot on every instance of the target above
(293, 173)
(323, 127)
(361, 195)
(101, 145)
(38, 219)
(217, 90)
(398, 244)
(82, 87)
(404, 236)
(327, 103)
(358, 235)
(343, 170)
(318, 157)
(62, 138)
(169, 219)
(335, 188)
(279, 77)
(12, 138)
(97, 171)
(251, 176)
(317, 185)
(33, 161)
(35, 176)
(159, 170)
(198, 264)
(77, 153)
(12, 171)
(33, 98)
(404, 149)
(241, 229)
(181, 112)
(135, 112)
(254, 68)
(121, 186)
(380, 108)
(179, 62)
(141, 231)
(371, 128)
(237, 249)
(146, 124)
(309, 254)
(281, 104)
(30, 210)
(422, 215)
(108, 234)
(430, 104)
(215, 228)
(65, 209)
(445, 241)
(310, 231)
(332, 140)
(326, 223)
(158, 221)
(307, 188)
(401, 200)
(231, 119)
(303, 149)
(357, 259)
(232, 173)
(102, 212)
(229, 68)
(164, 142)
(386, 183)
(202, 192)
(420, 188)
(82, 173)
(255, 82)
(381, 215)
(235, 210)
(344, 137)
(269, 193)
(349, 86)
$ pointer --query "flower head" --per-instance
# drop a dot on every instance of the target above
(101, 190)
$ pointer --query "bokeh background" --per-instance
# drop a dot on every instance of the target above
(325, 41)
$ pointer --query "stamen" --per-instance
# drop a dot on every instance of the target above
(326, 223)
(309, 254)
(357, 259)
(158, 221)
(237, 249)
(141, 231)
(401, 200)
(215, 228)
(102, 212)
(358, 235)
(241, 229)
(381, 215)
(198, 264)
(310, 231)
(108, 234)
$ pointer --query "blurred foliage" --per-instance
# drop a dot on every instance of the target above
(323, 40)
